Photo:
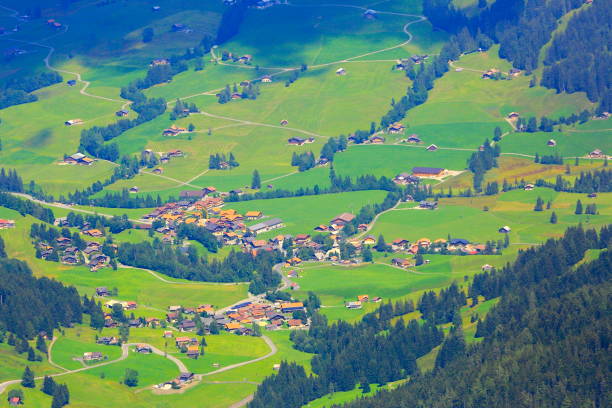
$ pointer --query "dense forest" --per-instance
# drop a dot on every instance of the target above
(375, 350)
(578, 57)
(236, 267)
(29, 305)
(16, 92)
(546, 343)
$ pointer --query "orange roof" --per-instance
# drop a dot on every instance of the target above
(361, 298)
(290, 305)
(253, 213)
(233, 326)
(182, 339)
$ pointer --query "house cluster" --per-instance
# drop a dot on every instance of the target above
(69, 254)
(78, 158)
(361, 299)
(396, 128)
(159, 61)
(226, 224)
(6, 224)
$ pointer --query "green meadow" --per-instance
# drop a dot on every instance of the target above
(303, 214)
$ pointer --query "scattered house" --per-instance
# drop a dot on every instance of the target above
(160, 61)
(399, 244)
(353, 305)
(370, 14)
(167, 334)
(343, 219)
(121, 113)
(15, 401)
(174, 130)
(133, 189)
(551, 143)
(144, 349)
(193, 351)
(299, 141)
(301, 239)
(79, 158)
(96, 233)
(414, 138)
(245, 59)
(93, 356)
(592, 195)
(6, 224)
(402, 263)
(376, 139)
(513, 115)
(514, 72)
(486, 267)
(184, 377)
(102, 291)
(266, 79)
(72, 122)
(405, 178)
(417, 59)
(158, 170)
(491, 73)
(597, 154)
(187, 325)
(529, 187)
(340, 71)
(396, 127)
(504, 230)
(69, 260)
(432, 148)
(363, 298)
(71, 82)
(428, 205)
(427, 172)
(459, 242)
(266, 226)
(156, 8)
(284, 122)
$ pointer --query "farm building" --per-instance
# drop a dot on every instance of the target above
(504, 230)
(266, 79)
(513, 115)
(343, 218)
(72, 122)
(340, 71)
(266, 226)
(397, 127)
(551, 143)
(432, 148)
(5, 224)
(121, 113)
(377, 139)
(427, 171)
(414, 139)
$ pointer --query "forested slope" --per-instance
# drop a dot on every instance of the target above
(546, 343)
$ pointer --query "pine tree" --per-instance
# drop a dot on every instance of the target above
(48, 386)
(367, 254)
(539, 206)
(553, 218)
(27, 379)
(41, 345)
(578, 207)
(381, 245)
(256, 180)
(497, 133)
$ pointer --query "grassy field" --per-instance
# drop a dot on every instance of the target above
(301, 214)
(465, 218)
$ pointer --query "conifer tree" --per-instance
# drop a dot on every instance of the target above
(553, 218)
(578, 207)
(27, 379)
(256, 180)
(48, 386)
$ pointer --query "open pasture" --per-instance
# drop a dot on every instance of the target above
(302, 214)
